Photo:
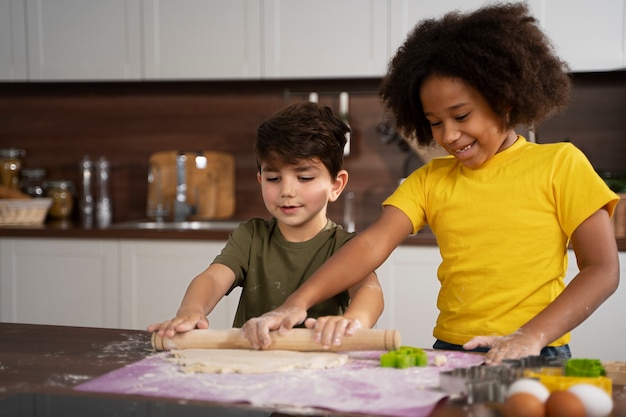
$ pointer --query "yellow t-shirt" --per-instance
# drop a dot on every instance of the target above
(503, 231)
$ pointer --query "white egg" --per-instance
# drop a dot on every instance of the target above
(598, 403)
(531, 386)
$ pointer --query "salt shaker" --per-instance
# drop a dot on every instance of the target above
(103, 205)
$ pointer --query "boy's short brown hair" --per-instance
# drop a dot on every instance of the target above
(302, 131)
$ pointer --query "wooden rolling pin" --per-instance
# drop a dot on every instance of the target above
(295, 339)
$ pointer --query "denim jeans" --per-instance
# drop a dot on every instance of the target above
(562, 352)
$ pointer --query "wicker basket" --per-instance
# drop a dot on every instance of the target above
(619, 217)
(28, 212)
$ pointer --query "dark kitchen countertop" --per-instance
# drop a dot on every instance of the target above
(75, 231)
(40, 365)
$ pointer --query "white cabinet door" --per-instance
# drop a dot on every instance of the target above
(83, 39)
(70, 282)
(13, 40)
(410, 287)
(588, 35)
(155, 275)
(325, 38)
(210, 39)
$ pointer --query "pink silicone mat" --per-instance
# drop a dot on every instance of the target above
(361, 386)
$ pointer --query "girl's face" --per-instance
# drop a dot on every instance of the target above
(297, 196)
(462, 122)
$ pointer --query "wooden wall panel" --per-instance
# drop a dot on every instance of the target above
(126, 122)
(58, 123)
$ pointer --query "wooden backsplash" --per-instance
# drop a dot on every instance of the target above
(58, 123)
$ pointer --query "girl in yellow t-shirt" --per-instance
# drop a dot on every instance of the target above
(504, 210)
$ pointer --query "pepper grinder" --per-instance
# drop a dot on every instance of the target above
(86, 202)
(103, 206)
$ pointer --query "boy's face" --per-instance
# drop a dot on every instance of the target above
(297, 196)
(462, 122)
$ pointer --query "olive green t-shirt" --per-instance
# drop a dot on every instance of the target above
(269, 268)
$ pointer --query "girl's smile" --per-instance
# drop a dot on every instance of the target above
(462, 122)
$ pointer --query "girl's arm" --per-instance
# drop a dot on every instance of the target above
(352, 263)
(596, 253)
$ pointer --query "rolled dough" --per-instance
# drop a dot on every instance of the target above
(246, 361)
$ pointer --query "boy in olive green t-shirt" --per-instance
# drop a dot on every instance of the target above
(299, 156)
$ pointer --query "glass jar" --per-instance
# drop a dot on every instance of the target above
(32, 181)
(10, 165)
(62, 199)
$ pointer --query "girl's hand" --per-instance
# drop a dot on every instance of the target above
(514, 346)
(257, 330)
(330, 330)
(179, 324)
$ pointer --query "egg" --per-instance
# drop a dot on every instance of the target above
(598, 403)
(564, 404)
(530, 386)
(523, 404)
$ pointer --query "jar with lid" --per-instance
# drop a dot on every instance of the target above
(31, 181)
(61, 192)
(10, 165)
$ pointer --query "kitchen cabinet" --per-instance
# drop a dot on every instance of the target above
(83, 39)
(57, 40)
(154, 276)
(249, 39)
(589, 36)
(12, 40)
(102, 282)
(199, 39)
(410, 285)
(56, 281)
(325, 38)
(130, 283)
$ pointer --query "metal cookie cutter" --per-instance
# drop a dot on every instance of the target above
(479, 384)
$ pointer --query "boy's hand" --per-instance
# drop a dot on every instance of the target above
(330, 330)
(514, 346)
(180, 324)
(257, 330)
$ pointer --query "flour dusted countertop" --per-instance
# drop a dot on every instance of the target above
(48, 362)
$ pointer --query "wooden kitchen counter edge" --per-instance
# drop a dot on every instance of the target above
(72, 231)
(45, 359)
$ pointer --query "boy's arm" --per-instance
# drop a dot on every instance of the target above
(201, 297)
(366, 301)
(354, 260)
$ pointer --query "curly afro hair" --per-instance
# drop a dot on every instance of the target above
(499, 50)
